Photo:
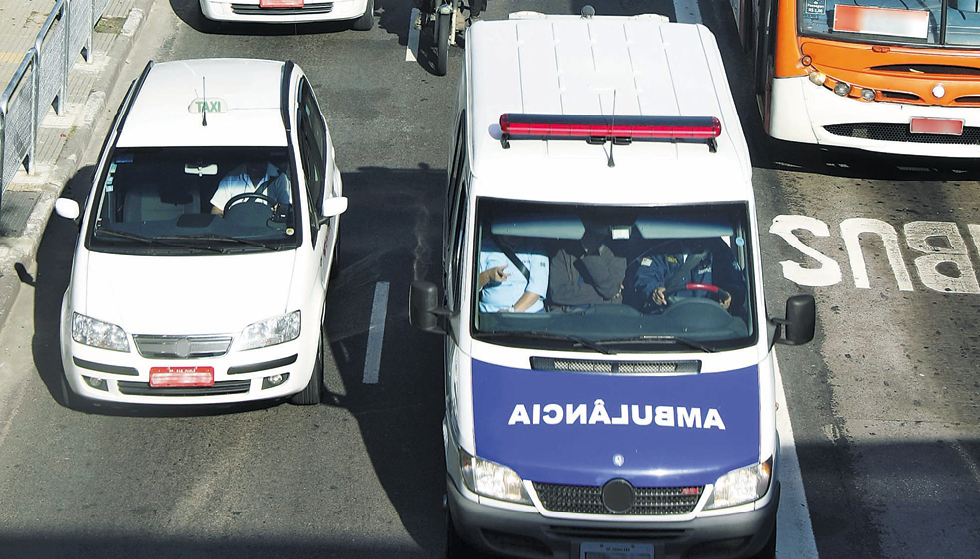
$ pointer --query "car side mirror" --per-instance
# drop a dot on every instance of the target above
(68, 209)
(423, 307)
(800, 322)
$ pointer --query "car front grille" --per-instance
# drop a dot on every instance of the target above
(182, 347)
(900, 133)
(219, 388)
(587, 499)
(255, 10)
(620, 367)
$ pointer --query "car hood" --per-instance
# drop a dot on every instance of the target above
(585, 428)
(174, 295)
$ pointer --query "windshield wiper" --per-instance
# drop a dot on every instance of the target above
(578, 340)
(161, 241)
(214, 237)
(646, 338)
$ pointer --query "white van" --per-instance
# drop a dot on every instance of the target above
(207, 241)
(609, 371)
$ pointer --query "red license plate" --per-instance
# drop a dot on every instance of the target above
(936, 126)
(280, 3)
(161, 377)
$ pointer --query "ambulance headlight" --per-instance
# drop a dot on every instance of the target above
(490, 479)
(89, 331)
(277, 330)
(741, 486)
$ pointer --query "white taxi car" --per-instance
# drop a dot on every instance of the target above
(360, 13)
(207, 241)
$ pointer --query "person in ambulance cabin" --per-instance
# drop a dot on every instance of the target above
(586, 272)
(664, 272)
(260, 177)
(513, 275)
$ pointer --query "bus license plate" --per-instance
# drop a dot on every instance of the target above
(604, 550)
(946, 126)
(162, 377)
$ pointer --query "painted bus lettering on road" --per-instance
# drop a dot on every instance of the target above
(940, 254)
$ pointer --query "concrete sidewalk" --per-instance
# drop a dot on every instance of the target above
(29, 199)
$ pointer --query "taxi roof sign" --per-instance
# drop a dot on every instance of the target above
(211, 105)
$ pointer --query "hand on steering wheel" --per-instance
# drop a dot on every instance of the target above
(724, 297)
(249, 195)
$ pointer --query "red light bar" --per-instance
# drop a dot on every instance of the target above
(618, 129)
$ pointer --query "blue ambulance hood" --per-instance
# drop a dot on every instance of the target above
(585, 429)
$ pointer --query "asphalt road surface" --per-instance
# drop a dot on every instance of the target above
(884, 404)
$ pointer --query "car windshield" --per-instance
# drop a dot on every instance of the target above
(190, 200)
(893, 21)
(614, 279)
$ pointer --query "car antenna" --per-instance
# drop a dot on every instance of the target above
(612, 132)
(204, 91)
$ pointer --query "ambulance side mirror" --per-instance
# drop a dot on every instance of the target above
(424, 312)
(800, 321)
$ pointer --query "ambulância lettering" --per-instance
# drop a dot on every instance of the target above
(629, 414)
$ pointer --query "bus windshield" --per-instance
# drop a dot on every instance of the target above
(616, 279)
(890, 22)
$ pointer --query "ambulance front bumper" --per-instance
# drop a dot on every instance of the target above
(529, 534)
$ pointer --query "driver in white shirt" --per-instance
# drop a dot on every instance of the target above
(258, 177)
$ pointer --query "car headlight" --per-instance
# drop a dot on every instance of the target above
(277, 330)
(490, 479)
(741, 486)
(89, 331)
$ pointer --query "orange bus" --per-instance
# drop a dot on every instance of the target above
(892, 76)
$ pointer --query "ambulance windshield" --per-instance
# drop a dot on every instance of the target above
(614, 276)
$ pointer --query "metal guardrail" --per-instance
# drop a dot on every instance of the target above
(41, 81)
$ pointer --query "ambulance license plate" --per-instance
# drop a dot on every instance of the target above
(163, 377)
(280, 3)
(605, 550)
(947, 126)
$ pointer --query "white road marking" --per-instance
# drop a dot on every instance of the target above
(687, 11)
(794, 538)
(376, 333)
(412, 51)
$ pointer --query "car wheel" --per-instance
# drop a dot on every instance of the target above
(769, 550)
(444, 24)
(456, 547)
(366, 21)
(314, 389)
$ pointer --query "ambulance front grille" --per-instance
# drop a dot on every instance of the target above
(620, 367)
(587, 499)
(885, 132)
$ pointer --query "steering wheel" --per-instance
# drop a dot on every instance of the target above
(249, 195)
(710, 288)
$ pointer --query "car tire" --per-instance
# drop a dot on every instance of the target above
(444, 24)
(68, 397)
(456, 547)
(366, 21)
(769, 550)
(313, 392)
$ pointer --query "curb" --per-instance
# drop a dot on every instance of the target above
(67, 163)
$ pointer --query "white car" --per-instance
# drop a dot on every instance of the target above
(201, 272)
(360, 13)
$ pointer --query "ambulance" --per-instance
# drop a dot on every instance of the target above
(616, 426)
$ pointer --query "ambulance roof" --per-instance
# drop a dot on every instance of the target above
(242, 98)
(569, 65)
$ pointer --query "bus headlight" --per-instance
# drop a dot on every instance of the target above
(493, 480)
(842, 89)
(740, 486)
(277, 330)
(868, 94)
(90, 331)
(817, 78)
